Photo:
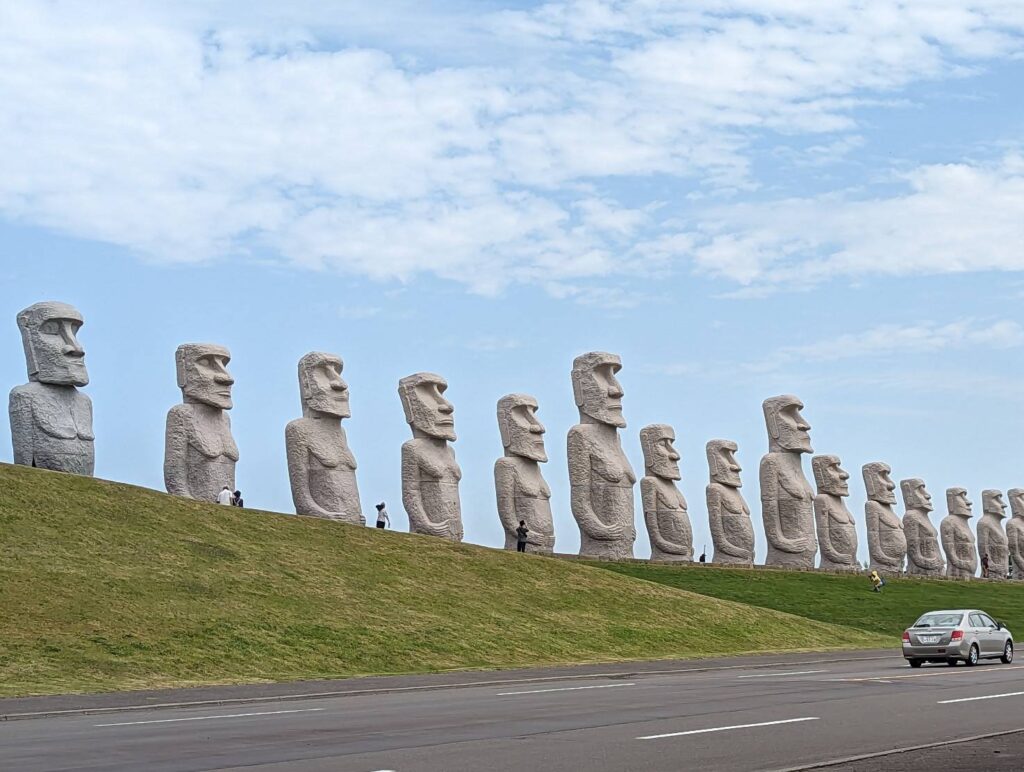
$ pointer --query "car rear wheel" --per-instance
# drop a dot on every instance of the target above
(915, 662)
(1007, 657)
(972, 656)
(951, 662)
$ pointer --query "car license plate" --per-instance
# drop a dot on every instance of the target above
(929, 638)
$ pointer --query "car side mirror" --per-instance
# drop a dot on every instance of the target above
(999, 625)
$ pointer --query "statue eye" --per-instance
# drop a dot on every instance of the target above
(50, 328)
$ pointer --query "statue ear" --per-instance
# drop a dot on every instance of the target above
(179, 367)
(30, 349)
(577, 387)
(504, 417)
(405, 393)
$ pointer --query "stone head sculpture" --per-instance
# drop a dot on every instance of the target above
(321, 386)
(787, 429)
(522, 433)
(878, 483)
(992, 503)
(426, 409)
(957, 502)
(49, 333)
(596, 389)
(1016, 497)
(915, 495)
(722, 463)
(203, 375)
(660, 456)
(829, 475)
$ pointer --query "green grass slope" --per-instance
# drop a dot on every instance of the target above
(106, 586)
(838, 599)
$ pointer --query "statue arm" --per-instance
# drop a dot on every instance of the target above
(822, 518)
(769, 478)
(505, 490)
(176, 454)
(419, 521)
(579, 485)
(298, 473)
(953, 554)
(718, 535)
(22, 429)
(1014, 544)
(649, 497)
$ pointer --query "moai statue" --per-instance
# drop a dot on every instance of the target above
(732, 533)
(668, 524)
(991, 537)
(51, 421)
(923, 555)
(786, 496)
(957, 538)
(199, 450)
(519, 484)
(837, 532)
(321, 468)
(430, 473)
(1015, 531)
(600, 477)
(887, 545)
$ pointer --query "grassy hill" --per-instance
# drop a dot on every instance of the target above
(107, 586)
(838, 599)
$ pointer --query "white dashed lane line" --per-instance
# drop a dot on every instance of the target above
(986, 697)
(728, 728)
(211, 718)
(565, 689)
(792, 672)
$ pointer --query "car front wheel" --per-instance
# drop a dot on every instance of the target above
(1007, 657)
(915, 662)
(972, 656)
(951, 662)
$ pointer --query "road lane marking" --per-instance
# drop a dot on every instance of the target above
(792, 672)
(942, 671)
(209, 718)
(565, 689)
(986, 697)
(727, 728)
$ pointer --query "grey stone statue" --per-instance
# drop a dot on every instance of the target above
(1015, 531)
(837, 532)
(668, 524)
(991, 537)
(199, 450)
(786, 496)
(51, 421)
(957, 538)
(430, 473)
(923, 555)
(887, 544)
(732, 533)
(321, 468)
(600, 477)
(522, 492)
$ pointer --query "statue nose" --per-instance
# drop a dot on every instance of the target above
(73, 351)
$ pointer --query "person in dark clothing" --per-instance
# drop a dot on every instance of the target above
(703, 556)
(521, 533)
(236, 499)
(984, 566)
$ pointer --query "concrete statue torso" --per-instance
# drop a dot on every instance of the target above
(786, 496)
(51, 421)
(668, 524)
(522, 493)
(887, 544)
(600, 476)
(199, 450)
(923, 555)
(837, 532)
(957, 539)
(992, 539)
(732, 532)
(1015, 532)
(430, 474)
(321, 467)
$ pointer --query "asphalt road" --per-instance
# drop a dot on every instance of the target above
(743, 716)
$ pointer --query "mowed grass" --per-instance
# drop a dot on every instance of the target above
(839, 599)
(105, 586)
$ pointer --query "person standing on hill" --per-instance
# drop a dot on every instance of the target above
(237, 500)
(383, 521)
(225, 497)
(984, 566)
(522, 533)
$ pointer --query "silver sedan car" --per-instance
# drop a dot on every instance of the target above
(960, 634)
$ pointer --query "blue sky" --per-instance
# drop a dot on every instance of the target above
(740, 198)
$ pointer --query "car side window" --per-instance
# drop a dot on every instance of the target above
(986, 620)
(976, 621)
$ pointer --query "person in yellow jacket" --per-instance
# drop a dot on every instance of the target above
(877, 582)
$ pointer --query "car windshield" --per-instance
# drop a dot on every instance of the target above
(939, 620)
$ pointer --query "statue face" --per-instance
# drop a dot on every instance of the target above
(879, 484)
(660, 456)
(829, 476)
(597, 391)
(49, 333)
(915, 495)
(786, 426)
(957, 502)
(321, 385)
(522, 433)
(1016, 496)
(722, 463)
(426, 409)
(203, 374)
(992, 503)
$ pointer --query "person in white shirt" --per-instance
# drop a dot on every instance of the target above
(225, 496)
(382, 516)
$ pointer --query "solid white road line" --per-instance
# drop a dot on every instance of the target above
(792, 672)
(565, 689)
(986, 697)
(727, 728)
(209, 718)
